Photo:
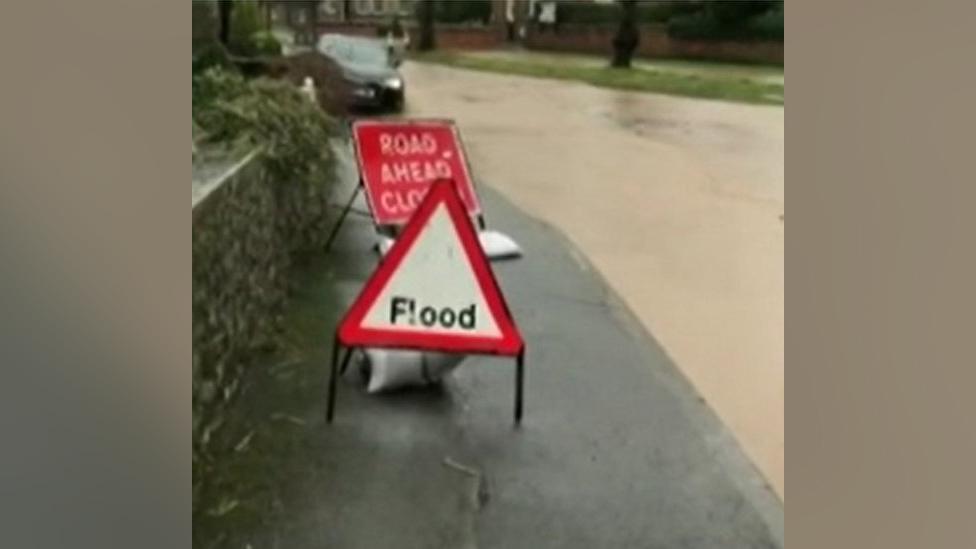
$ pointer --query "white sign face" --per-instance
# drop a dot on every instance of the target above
(434, 289)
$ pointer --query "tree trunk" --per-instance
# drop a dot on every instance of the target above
(313, 23)
(224, 9)
(628, 36)
(425, 15)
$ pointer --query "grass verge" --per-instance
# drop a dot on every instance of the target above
(266, 449)
(684, 83)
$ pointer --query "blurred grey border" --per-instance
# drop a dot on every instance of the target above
(880, 272)
(95, 286)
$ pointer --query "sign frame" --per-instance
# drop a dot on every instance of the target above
(350, 334)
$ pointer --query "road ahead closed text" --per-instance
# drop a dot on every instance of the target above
(399, 161)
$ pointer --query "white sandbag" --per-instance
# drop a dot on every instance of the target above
(498, 245)
(393, 369)
(383, 244)
(495, 244)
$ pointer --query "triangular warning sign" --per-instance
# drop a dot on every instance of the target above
(434, 289)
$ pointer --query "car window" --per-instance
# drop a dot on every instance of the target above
(359, 53)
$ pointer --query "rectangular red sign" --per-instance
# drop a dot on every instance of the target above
(399, 159)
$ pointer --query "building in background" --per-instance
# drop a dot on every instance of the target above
(482, 24)
(381, 9)
(511, 15)
(297, 13)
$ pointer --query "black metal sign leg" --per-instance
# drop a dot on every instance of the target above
(330, 409)
(342, 217)
(519, 378)
(333, 376)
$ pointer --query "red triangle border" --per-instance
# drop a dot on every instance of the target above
(352, 333)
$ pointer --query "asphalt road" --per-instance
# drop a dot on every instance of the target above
(616, 448)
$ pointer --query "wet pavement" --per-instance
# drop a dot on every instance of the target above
(677, 202)
(615, 449)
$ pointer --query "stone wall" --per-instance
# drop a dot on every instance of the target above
(246, 229)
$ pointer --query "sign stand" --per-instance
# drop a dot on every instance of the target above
(339, 368)
(433, 291)
(371, 132)
(342, 216)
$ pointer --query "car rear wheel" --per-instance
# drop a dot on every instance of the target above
(396, 104)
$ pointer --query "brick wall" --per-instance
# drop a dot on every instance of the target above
(467, 38)
(654, 42)
(761, 52)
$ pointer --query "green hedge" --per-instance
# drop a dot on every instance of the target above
(463, 11)
(751, 20)
(265, 43)
(741, 23)
(270, 114)
(245, 22)
(211, 55)
(577, 12)
(768, 26)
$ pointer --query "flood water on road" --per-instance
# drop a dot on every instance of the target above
(679, 204)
